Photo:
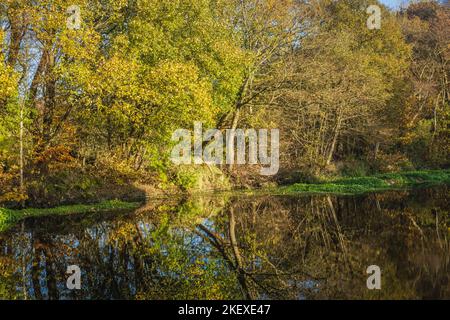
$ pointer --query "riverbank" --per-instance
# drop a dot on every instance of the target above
(9, 217)
(342, 186)
(377, 183)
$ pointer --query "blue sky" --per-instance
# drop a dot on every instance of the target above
(393, 3)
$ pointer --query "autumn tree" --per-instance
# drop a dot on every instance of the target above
(267, 31)
(166, 65)
(426, 28)
(342, 78)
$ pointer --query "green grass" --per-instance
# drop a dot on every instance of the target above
(344, 186)
(8, 217)
(382, 182)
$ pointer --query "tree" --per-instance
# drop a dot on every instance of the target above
(170, 64)
(343, 77)
(267, 30)
(426, 28)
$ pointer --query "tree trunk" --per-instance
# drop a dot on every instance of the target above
(377, 149)
(234, 127)
(334, 142)
(238, 258)
(17, 32)
(21, 148)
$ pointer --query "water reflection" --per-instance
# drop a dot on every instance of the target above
(238, 248)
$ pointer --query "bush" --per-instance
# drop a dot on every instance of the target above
(394, 162)
(200, 178)
(355, 168)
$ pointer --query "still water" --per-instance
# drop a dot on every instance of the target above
(224, 247)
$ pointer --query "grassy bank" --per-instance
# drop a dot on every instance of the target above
(381, 182)
(343, 186)
(9, 218)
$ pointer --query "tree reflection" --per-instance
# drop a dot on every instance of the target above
(238, 248)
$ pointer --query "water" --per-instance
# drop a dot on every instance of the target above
(266, 247)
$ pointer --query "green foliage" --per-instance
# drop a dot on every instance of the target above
(376, 183)
(355, 168)
(201, 179)
(108, 96)
(9, 217)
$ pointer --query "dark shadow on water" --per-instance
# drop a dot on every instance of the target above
(264, 247)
